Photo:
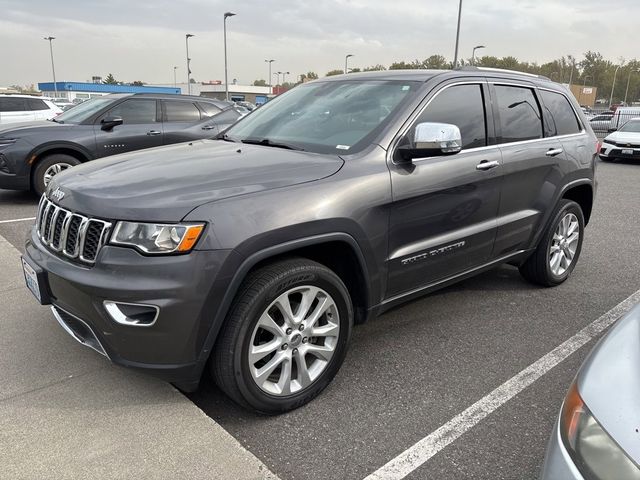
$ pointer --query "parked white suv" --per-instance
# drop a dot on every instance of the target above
(26, 108)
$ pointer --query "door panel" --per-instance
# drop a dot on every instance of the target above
(443, 219)
(140, 128)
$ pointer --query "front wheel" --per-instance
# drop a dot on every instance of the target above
(285, 338)
(559, 249)
(49, 167)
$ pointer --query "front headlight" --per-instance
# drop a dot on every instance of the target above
(157, 238)
(595, 453)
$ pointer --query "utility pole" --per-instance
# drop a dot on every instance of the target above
(53, 67)
(226, 81)
(614, 85)
(270, 81)
(455, 57)
(187, 37)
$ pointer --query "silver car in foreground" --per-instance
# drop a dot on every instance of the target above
(597, 435)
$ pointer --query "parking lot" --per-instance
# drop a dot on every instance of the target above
(415, 368)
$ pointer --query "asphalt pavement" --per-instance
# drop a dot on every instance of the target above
(413, 369)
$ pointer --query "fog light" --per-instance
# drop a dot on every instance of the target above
(132, 314)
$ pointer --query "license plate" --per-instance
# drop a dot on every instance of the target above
(31, 278)
(627, 151)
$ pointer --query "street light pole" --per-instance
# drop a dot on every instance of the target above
(175, 80)
(283, 76)
(346, 62)
(473, 54)
(626, 92)
(270, 86)
(187, 37)
(614, 85)
(277, 74)
(53, 67)
(455, 57)
(584, 82)
(226, 82)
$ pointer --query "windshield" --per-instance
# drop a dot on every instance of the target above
(327, 117)
(631, 126)
(85, 110)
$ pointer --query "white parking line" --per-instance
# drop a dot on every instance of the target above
(15, 220)
(423, 450)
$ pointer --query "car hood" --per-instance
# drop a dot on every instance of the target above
(166, 183)
(624, 137)
(609, 383)
(26, 128)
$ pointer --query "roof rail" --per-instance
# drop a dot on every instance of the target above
(501, 70)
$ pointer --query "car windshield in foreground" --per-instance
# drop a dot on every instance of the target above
(339, 117)
(632, 126)
(83, 111)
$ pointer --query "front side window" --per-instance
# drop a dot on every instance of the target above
(85, 110)
(519, 112)
(562, 119)
(181, 112)
(463, 106)
(134, 111)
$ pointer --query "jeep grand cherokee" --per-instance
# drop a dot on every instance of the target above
(253, 255)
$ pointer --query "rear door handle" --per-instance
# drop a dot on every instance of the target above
(153, 133)
(487, 165)
(553, 152)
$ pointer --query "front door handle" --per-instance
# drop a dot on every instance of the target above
(153, 133)
(553, 152)
(487, 165)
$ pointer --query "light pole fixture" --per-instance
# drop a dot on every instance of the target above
(473, 54)
(283, 75)
(455, 56)
(270, 85)
(626, 92)
(614, 85)
(226, 82)
(346, 62)
(53, 68)
(187, 37)
(175, 81)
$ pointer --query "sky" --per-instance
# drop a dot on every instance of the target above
(144, 40)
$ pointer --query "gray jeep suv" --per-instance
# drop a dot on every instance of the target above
(252, 256)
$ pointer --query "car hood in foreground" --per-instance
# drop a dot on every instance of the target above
(624, 137)
(609, 383)
(166, 183)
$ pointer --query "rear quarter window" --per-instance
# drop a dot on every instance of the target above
(36, 104)
(562, 119)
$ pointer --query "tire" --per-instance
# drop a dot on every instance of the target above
(552, 263)
(47, 167)
(247, 381)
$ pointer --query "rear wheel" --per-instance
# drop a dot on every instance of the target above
(559, 249)
(285, 338)
(49, 167)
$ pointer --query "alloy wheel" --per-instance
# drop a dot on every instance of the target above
(564, 244)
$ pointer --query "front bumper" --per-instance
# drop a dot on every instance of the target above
(557, 463)
(180, 286)
(615, 151)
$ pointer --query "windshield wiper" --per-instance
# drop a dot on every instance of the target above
(268, 143)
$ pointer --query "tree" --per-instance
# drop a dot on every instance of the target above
(437, 62)
(193, 80)
(138, 83)
(415, 65)
(354, 70)
(110, 80)
(375, 68)
(311, 76)
(260, 83)
(334, 72)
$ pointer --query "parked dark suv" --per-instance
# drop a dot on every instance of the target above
(32, 153)
(255, 254)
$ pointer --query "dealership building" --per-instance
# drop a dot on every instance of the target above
(215, 89)
(71, 91)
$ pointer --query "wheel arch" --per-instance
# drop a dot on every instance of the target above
(65, 148)
(582, 194)
(348, 263)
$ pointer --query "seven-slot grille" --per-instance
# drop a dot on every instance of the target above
(70, 234)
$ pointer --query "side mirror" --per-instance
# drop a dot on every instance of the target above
(611, 130)
(431, 140)
(109, 122)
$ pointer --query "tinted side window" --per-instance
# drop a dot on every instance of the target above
(12, 105)
(209, 109)
(181, 112)
(461, 105)
(36, 104)
(134, 111)
(562, 118)
(520, 117)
